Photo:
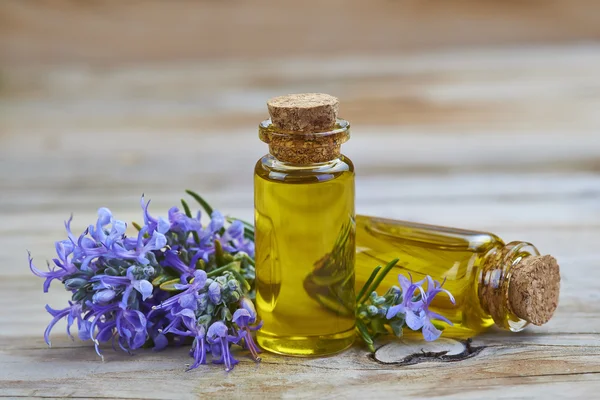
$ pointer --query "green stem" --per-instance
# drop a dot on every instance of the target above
(364, 334)
(250, 260)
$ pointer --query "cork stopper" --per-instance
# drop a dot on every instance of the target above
(534, 289)
(304, 128)
(305, 112)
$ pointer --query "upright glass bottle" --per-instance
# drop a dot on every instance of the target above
(509, 285)
(304, 226)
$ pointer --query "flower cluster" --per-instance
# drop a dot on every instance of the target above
(407, 305)
(176, 280)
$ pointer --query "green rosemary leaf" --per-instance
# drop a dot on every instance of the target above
(229, 267)
(136, 226)
(366, 285)
(382, 275)
(159, 280)
(201, 201)
(186, 208)
(169, 286)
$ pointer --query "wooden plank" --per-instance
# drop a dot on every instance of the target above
(105, 32)
(544, 89)
(549, 364)
(501, 140)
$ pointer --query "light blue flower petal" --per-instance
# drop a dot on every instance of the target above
(84, 330)
(158, 241)
(430, 332)
(104, 216)
(160, 342)
(163, 225)
(144, 287)
(200, 278)
(217, 221)
(394, 310)
(241, 317)
(217, 329)
(413, 321)
(118, 227)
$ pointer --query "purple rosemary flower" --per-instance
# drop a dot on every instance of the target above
(182, 223)
(143, 246)
(417, 313)
(109, 276)
(234, 240)
(243, 318)
(104, 296)
(217, 222)
(214, 292)
(192, 288)
(219, 339)
(198, 351)
(435, 287)
(185, 271)
(198, 332)
(101, 234)
(426, 316)
(407, 306)
(65, 267)
(73, 313)
(127, 283)
(131, 326)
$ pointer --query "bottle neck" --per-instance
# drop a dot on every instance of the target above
(494, 283)
(278, 165)
(304, 148)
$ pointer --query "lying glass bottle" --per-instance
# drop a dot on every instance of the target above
(509, 285)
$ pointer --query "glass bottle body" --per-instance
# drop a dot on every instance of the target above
(468, 261)
(304, 230)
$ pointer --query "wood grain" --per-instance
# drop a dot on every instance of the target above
(503, 139)
(104, 32)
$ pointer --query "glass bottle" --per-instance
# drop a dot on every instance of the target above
(509, 285)
(304, 227)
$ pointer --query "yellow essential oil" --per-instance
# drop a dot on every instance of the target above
(508, 285)
(304, 234)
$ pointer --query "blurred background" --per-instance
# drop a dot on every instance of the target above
(476, 113)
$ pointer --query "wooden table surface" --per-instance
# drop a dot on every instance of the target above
(504, 139)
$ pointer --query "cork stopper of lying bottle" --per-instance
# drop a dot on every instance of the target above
(304, 128)
(534, 288)
(517, 290)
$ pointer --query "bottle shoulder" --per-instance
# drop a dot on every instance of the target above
(270, 169)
